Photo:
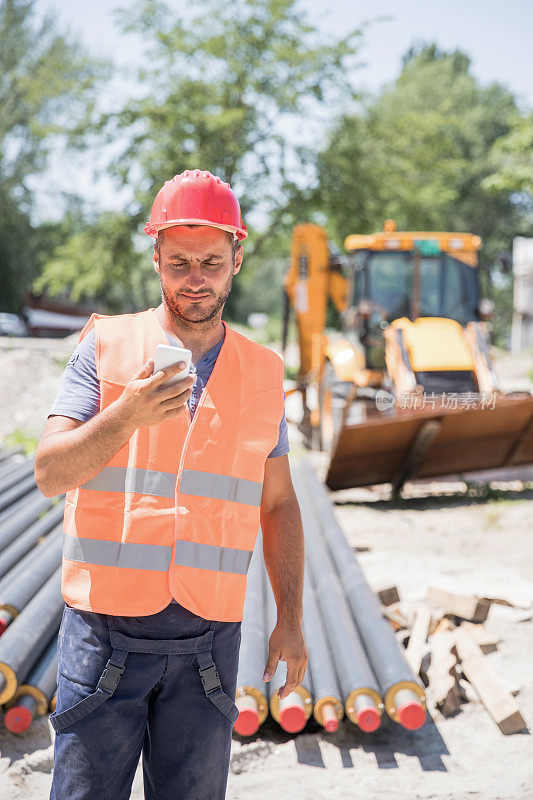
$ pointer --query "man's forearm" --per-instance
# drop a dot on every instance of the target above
(284, 553)
(67, 459)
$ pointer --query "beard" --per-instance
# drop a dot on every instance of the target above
(201, 312)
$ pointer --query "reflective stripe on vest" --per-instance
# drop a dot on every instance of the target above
(212, 557)
(129, 555)
(162, 484)
(221, 487)
(133, 479)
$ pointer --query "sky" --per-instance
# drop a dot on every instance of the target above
(496, 34)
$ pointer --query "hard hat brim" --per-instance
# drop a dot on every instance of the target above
(153, 229)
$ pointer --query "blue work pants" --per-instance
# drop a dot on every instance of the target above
(152, 702)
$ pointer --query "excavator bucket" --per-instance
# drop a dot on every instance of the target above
(431, 442)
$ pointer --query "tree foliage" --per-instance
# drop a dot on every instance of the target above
(219, 87)
(46, 92)
(420, 153)
(98, 262)
(222, 86)
(512, 159)
(255, 93)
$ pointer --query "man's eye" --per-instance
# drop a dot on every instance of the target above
(213, 264)
(178, 265)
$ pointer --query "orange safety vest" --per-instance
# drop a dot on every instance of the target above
(175, 512)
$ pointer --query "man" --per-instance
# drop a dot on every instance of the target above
(165, 489)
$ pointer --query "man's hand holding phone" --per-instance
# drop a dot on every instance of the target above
(146, 401)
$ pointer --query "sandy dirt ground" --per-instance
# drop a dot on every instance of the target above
(440, 534)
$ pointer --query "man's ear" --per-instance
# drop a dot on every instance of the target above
(155, 258)
(238, 259)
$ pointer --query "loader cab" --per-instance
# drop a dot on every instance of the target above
(410, 275)
(448, 287)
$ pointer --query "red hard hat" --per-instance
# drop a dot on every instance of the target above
(196, 198)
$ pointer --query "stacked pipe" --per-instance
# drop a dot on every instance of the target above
(328, 709)
(402, 692)
(34, 697)
(360, 692)
(27, 636)
(28, 576)
(17, 483)
(19, 533)
(251, 697)
(30, 595)
(355, 664)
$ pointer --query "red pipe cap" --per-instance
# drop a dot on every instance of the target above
(247, 722)
(412, 715)
(331, 725)
(18, 719)
(368, 719)
(292, 718)
(3, 626)
(329, 718)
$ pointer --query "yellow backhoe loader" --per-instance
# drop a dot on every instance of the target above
(406, 389)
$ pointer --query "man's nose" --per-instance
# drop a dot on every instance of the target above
(195, 278)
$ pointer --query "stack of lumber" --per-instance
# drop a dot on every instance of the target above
(446, 639)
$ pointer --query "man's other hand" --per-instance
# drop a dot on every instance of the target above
(287, 643)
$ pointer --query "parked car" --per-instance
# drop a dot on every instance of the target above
(12, 325)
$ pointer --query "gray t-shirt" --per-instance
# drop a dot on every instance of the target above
(79, 392)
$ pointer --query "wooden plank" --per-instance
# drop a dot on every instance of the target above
(402, 636)
(492, 587)
(424, 666)
(361, 547)
(510, 614)
(501, 705)
(436, 618)
(442, 675)
(485, 640)
(469, 607)
(467, 691)
(417, 641)
(389, 595)
(395, 617)
(444, 624)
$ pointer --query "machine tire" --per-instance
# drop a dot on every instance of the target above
(332, 395)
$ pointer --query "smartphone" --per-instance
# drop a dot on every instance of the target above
(166, 355)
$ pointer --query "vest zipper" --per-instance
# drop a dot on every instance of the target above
(190, 423)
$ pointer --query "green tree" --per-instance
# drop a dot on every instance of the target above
(97, 262)
(46, 92)
(512, 157)
(419, 153)
(511, 160)
(223, 85)
(226, 88)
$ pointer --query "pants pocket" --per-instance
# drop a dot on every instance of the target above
(69, 694)
(84, 647)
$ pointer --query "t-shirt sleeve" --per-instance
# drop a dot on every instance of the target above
(78, 395)
(282, 447)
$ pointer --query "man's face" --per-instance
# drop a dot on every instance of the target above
(196, 268)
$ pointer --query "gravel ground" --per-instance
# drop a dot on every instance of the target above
(31, 373)
(437, 535)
